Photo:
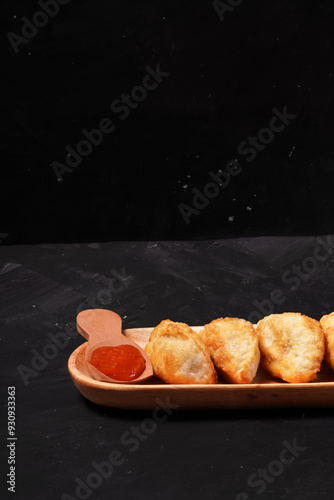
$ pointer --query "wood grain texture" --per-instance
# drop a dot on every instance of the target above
(264, 392)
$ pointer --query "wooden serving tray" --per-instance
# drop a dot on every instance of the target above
(264, 392)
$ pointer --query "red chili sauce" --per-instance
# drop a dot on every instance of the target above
(123, 362)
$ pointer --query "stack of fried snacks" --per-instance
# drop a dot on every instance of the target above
(289, 346)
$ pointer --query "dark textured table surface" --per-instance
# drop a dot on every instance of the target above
(66, 445)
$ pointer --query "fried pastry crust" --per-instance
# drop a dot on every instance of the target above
(234, 349)
(178, 355)
(327, 324)
(292, 346)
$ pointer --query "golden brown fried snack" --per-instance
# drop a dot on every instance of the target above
(234, 349)
(292, 346)
(178, 355)
(327, 324)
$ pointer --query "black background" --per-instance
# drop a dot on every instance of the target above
(225, 77)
